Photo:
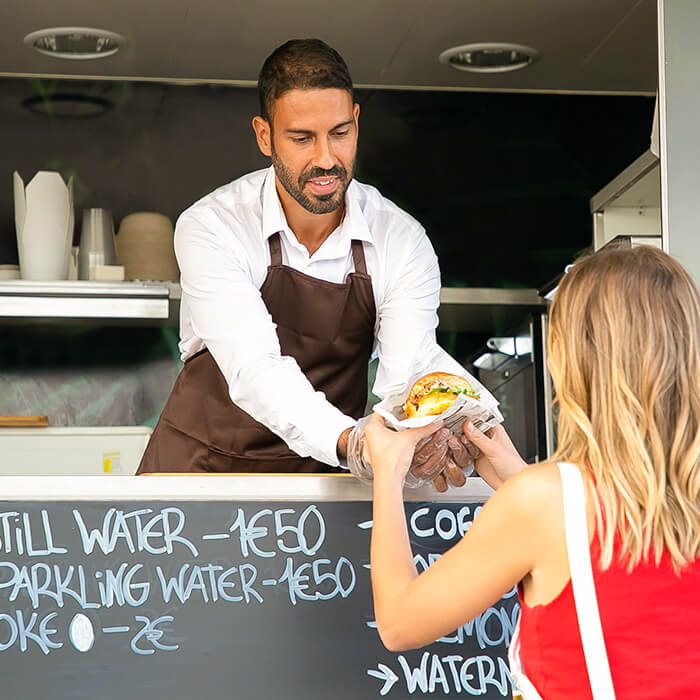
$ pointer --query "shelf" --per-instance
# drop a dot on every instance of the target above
(486, 310)
(630, 204)
(637, 185)
(472, 310)
(24, 299)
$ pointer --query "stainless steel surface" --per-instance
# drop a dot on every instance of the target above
(630, 204)
(630, 176)
(486, 310)
(268, 487)
(679, 145)
(96, 241)
(549, 428)
(482, 310)
(80, 288)
(634, 241)
(594, 46)
(86, 307)
(84, 300)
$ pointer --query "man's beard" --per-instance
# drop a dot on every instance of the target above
(315, 204)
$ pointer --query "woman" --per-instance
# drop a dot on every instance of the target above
(625, 362)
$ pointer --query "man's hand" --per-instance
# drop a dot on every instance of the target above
(342, 446)
(460, 456)
(463, 451)
(391, 453)
(429, 457)
(447, 464)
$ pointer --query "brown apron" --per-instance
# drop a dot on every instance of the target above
(327, 328)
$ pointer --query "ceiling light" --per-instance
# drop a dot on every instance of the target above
(489, 57)
(67, 105)
(75, 42)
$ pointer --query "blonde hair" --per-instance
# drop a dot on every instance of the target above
(624, 343)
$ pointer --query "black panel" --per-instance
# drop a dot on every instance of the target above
(500, 181)
(273, 639)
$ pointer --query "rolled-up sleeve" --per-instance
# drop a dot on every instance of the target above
(228, 314)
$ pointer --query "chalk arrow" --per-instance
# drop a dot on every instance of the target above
(384, 674)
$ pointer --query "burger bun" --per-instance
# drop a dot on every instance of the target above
(430, 395)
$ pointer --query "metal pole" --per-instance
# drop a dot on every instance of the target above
(679, 140)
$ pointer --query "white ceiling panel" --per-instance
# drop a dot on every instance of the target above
(565, 34)
(596, 45)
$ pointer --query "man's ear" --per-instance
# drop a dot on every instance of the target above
(263, 134)
(356, 116)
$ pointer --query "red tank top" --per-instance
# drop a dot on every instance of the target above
(651, 626)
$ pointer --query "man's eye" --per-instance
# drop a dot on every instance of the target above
(300, 139)
(342, 133)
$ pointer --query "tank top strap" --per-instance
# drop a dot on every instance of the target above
(275, 249)
(358, 257)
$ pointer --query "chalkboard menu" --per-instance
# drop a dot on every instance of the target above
(221, 600)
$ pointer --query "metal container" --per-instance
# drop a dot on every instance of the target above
(96, 241)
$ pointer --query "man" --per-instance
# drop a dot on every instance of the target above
(291, 278)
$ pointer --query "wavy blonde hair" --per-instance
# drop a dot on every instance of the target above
(625, 360)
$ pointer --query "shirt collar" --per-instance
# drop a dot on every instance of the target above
(273, 218)
(352, 227)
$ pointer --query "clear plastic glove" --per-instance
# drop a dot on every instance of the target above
(429, 458)
(427, 463)
(463, 451)
(457, 464)
(358, 463)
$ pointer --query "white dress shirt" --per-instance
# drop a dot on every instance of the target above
(221, 243)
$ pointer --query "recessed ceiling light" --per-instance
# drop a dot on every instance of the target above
(67, 105)
(489, 57)
(75, 42)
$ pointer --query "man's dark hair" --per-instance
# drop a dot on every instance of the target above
(300, 64)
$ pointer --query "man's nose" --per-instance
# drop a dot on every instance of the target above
(324, 156)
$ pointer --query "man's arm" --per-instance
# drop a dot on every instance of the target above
(342, 446)
(407, 312)
(406, 344)
(230, 317)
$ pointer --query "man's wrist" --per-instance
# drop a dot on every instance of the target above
(342, 445)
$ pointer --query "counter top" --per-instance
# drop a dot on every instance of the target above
(79, 299)
(195, 487)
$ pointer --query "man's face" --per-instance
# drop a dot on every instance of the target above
(312, 143)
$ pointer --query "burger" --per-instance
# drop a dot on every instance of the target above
(435, 392)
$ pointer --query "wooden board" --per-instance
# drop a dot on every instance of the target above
(24, 421)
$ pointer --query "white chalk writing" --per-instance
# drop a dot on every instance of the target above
(80, 578)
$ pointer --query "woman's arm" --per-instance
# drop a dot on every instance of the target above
(497, 552)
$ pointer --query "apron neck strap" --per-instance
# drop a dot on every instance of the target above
(358, 257)
(358, 253)
(275, 249)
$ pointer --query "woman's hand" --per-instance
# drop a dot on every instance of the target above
(391, 453)
(499, 459)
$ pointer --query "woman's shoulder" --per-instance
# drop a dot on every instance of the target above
(538, 492)
(539, 482)
(531, 498)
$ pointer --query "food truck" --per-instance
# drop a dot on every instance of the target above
(517, 134)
